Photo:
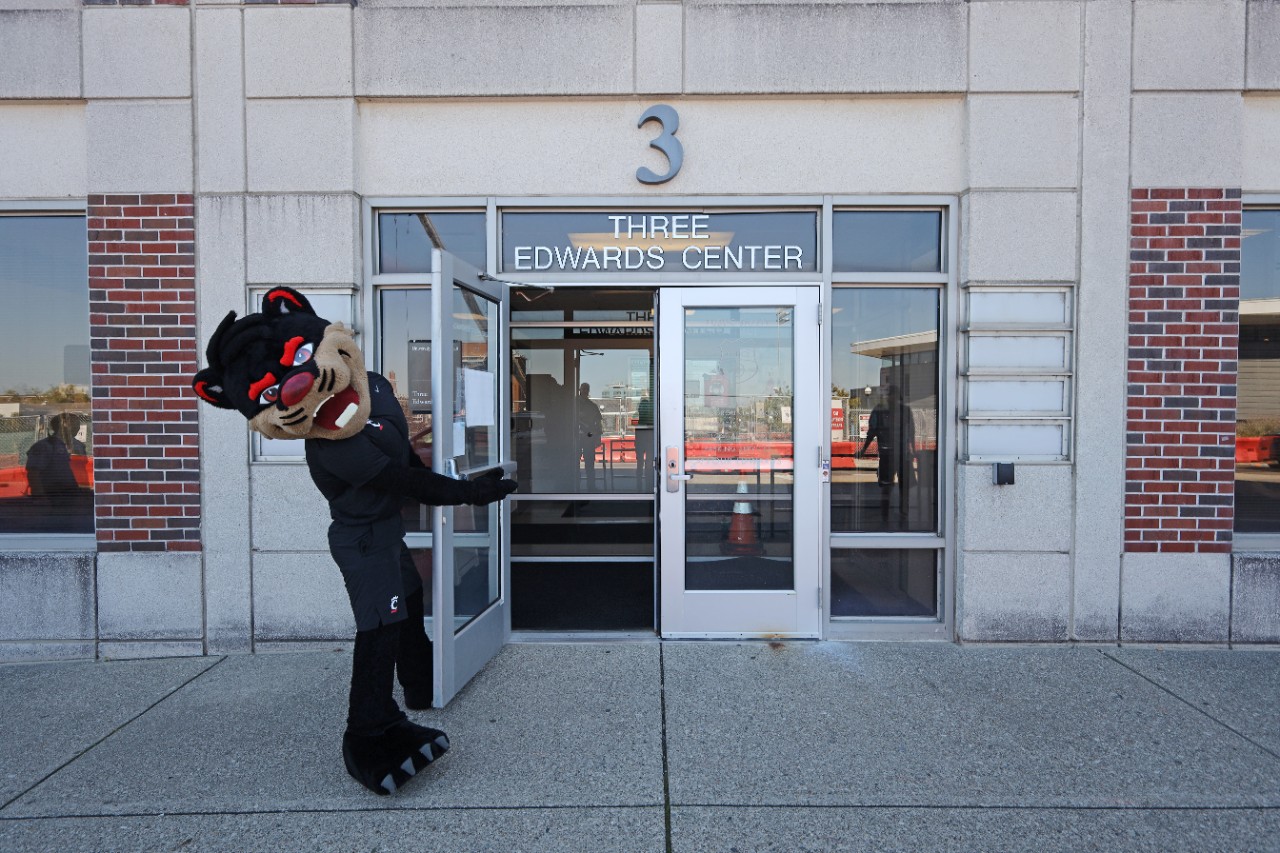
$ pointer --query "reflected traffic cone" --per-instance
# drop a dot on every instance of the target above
(742, 540)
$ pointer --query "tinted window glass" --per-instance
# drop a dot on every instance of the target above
(46, 431)
(405, 239)
(886, 241)
(1258, 405)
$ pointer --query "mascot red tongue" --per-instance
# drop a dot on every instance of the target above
(294, 375)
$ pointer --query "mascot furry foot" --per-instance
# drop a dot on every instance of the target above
(385, 762)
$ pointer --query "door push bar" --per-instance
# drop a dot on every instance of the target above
(673, 470)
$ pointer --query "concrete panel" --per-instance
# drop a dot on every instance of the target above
(940, 725)
(1034, 514)
(1024, 141)
(569, 725)
(1261, 133)
(1175, 598)
(302, 239)
(305, 527)
(274, 67)
(1013, 597)
(300, 145)
(1255, 598)
(498, 50)
(54, 712)
(594, 147)
(659, 48)
(1262, 70)
(300, 596)
(39, 53)
(825, 48)
(1102, 323)
(600, 830)
(1187, 140)
(46, 596)
(224, 441)
(139, 146)
(1022, 236)
(52, 650)
(1024, 46)
(137, 53)
(1191, 44)
(44, 151)
(220, 106)
(150, 597)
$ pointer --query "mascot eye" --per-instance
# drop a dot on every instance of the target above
(303, 354)
(270, 395)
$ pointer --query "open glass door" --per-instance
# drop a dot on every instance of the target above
(470, 555)
(740, 492)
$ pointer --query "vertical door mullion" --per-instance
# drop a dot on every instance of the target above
(442, 451)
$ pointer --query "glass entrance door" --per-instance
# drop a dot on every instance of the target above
(467, 398)
(740, 494)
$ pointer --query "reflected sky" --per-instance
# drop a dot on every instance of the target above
(870, 314)
(1260, 255)
(44, 288)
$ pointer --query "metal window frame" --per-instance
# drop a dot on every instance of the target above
(946, 280)
(39, 542)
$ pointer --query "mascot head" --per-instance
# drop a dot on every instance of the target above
(289, 372)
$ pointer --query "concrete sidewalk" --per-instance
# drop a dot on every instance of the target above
(651, 746)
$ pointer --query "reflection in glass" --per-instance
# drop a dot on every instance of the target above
(582, 391)
(475, 391)
(405, 321)
(405, 240)
(574, 528)
(46, 427)
(884, 583)
(884, 403)
(886, 241)
(1257, 499)
(738, 374)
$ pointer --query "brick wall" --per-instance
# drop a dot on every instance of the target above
(142, 319)
(1184, 299)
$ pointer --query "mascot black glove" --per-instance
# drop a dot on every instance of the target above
(426, 486)
(489, 487)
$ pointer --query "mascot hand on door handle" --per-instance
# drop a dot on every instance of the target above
(295, 375)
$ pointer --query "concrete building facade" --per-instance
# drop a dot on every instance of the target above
(1093, 168)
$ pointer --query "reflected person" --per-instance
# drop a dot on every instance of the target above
(644, 437)
(590, 425)
(892, 427)
(49, 470)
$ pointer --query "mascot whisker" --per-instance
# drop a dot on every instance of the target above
(294, 375)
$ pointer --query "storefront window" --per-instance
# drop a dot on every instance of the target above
(1258, 407)
(884, 409)
(46, 430)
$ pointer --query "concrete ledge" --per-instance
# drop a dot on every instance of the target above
(50, 651)
(1174, 598)
(1255, 598)
(140, 651)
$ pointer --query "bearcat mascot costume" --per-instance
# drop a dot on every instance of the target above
(295, 375)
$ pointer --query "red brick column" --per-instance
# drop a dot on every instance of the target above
(1184, 301)
(142, 319)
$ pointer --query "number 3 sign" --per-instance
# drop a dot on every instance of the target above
(665, 142)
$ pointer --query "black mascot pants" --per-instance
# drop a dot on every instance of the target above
(387, 602)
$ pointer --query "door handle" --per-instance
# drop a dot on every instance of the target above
(674, 475)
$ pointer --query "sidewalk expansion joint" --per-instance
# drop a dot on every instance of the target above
(105, 737)
(666, 769)
(1194, 706)
(995, 807)
(350, 810)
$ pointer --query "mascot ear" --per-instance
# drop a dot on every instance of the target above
(285, 300)
(208, 386)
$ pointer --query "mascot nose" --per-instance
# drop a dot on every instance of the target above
(296, 388)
